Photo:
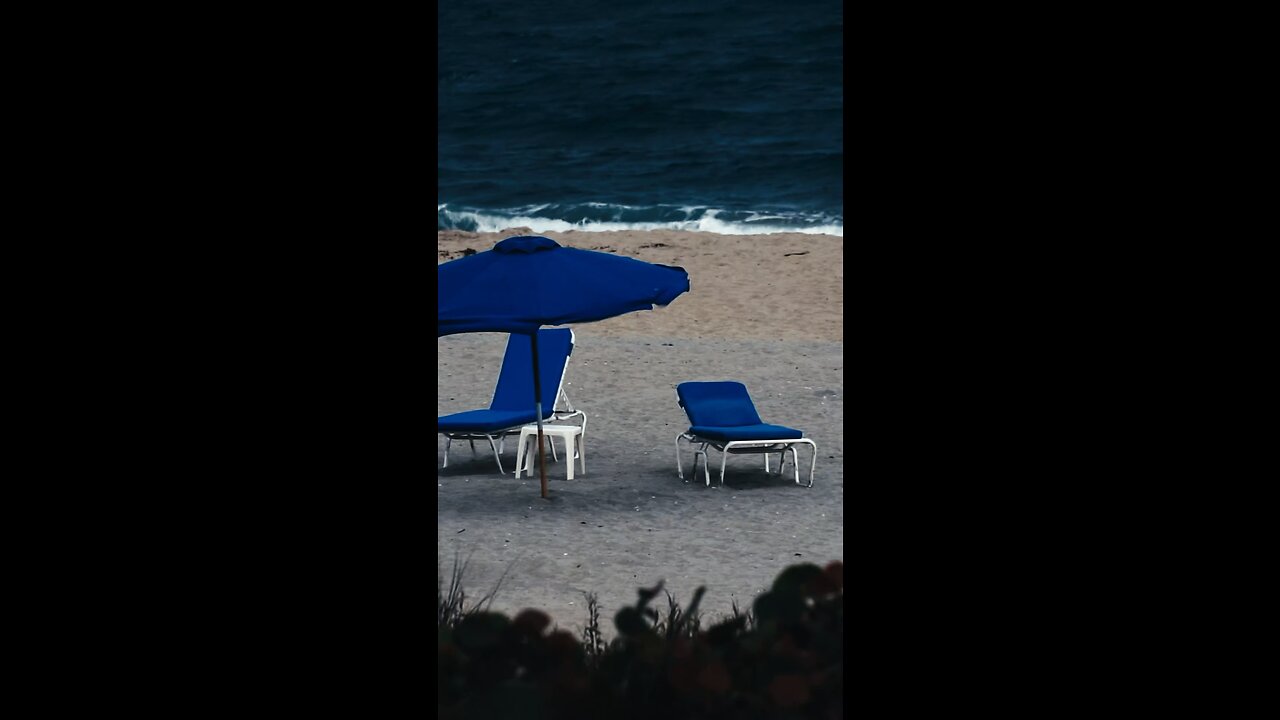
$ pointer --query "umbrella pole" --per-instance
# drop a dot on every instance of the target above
(537, 401)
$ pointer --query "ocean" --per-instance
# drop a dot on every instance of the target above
(713, 115)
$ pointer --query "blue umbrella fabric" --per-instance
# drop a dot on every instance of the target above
(528, 281)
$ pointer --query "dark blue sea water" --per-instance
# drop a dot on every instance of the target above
(716, 115)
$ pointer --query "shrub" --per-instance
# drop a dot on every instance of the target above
(783, 659)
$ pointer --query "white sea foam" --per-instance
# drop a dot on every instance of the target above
(697, 219)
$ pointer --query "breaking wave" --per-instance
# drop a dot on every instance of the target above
(602, 217)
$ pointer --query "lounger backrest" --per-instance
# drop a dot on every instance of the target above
(515, 381)
(717, 404)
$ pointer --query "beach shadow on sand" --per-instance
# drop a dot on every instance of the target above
(749, 480)
(473, 489)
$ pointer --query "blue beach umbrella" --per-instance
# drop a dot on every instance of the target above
(529, 281)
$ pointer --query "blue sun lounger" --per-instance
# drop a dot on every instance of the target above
(513, 406)
(721, 415)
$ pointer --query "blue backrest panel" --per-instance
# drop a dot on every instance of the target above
(719, 404)
(515, 382)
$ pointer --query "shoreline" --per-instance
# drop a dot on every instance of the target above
(788, 286)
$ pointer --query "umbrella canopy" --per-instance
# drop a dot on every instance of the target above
(528, 281)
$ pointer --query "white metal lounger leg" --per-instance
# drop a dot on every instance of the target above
(520, 461)
(496, 456)
(782, 458)
(447, 442)
(698, 452)
(679, 468)
(813, 462)
(724, 456)
(679, 465)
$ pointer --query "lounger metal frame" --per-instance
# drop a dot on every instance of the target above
(743, 447)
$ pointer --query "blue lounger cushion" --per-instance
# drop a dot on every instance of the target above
(718, 404)
(482, 421)
(761, 431)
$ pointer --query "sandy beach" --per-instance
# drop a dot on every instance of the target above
(765, 310)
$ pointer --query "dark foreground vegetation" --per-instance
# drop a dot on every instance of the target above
(783, 659)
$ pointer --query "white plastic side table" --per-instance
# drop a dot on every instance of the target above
(572, 436)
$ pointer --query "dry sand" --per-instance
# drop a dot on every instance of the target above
(765, 310)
